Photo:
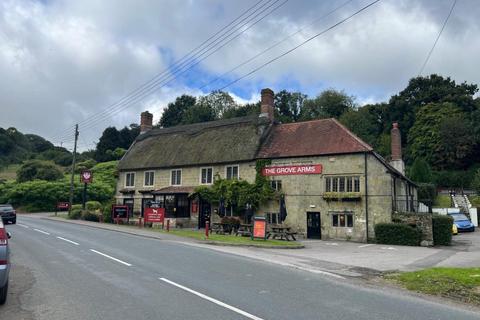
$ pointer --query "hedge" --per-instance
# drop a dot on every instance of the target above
(442, 230)
(397, 233)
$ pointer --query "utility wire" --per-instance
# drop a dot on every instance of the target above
(438, 37)
(207, 44)
(298, 46)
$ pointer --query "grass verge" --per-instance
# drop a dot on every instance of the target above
(461, 284)
(442, 201)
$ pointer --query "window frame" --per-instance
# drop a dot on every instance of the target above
(176, 177)
(275, 183)
(201, 175)
(126, 179)
(342, 184)
(348, 220)
(145, 178)
(232, 166)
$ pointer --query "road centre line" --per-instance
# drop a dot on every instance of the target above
(41, 231)
(112, 258)
(217, 302)
(23, 226)
(366, 245)
(73, 242)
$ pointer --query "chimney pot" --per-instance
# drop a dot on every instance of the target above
(267, 104)
(146, 120)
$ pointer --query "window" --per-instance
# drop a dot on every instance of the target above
(176, 177)
(271, 217)
(276, 184)
(232, 172)
(342, 184)
(342, 220)
(149, 178)
(206, 175)
(130, 179)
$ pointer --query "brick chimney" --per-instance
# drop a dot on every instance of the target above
(266, 108)
(396, 148)
(146, 119)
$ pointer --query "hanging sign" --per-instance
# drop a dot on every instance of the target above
(259, 228)
(292, 170)
(86, 176)
(155, 215)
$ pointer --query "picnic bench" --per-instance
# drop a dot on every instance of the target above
(221, 228)
(244, 230)
(281, 233)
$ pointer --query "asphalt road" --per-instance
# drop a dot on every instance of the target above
(66, 271)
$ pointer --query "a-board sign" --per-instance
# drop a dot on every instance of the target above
(259, 228)
(86, 176)
(155, 215)
(63, 205)
(119, 212)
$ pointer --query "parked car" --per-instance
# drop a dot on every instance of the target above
(8, 213)
(454, 229)
(462, 222)
(4, 262)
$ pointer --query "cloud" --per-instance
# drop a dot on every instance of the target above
(63, 61)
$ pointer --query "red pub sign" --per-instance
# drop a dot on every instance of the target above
(154, 214)
(292, 170)
(86, 176)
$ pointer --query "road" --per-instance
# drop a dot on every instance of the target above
(66, 271)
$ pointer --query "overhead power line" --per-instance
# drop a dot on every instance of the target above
(438, 37)
(214, 41)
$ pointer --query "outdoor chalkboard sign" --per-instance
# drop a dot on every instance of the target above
(120, 212)
(259, 228)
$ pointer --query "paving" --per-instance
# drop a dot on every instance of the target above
(70, 271)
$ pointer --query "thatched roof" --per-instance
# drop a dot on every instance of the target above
(222, 141)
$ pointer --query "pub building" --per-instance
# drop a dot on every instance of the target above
(335, 186)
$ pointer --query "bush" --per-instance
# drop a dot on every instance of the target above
(90, 216)
(93, 205)
(76, 207)
(39, 170)
(75, 214)
(397, 233)
(107, 212)
(442, 230)
(232, 222)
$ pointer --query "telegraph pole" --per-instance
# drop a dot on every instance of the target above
(73, 169)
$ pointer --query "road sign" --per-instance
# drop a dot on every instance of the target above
(155, 215)
(86, 176)
(259, 228)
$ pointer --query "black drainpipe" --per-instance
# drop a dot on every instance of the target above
(366, 196)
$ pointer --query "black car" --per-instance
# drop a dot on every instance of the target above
(7, 213)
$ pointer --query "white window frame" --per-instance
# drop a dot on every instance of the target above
(231, 166)
(181, 175)
(144, 180)
(201, 172)
(126, 180)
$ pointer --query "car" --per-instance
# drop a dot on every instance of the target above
(454, 229)
(8, 213)
(462, 222)
(4, 262)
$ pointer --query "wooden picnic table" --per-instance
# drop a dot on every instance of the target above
(221, 228)
(282, 233)
(244, 230)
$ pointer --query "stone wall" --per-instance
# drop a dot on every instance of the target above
(422, 221)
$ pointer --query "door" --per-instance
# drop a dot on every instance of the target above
(313, 225)
(205, 212)
(129, 202)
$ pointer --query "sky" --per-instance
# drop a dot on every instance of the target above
(90, 62)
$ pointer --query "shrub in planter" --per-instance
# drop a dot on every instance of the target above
(75, 214)
(90, 216)
(397, 233)
(442, 230)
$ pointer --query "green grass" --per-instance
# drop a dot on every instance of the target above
(442, 201)
(9, 172)
(475, 201)
(461, 284)
(231, 239)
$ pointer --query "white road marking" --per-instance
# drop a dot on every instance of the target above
(217, 302)
(389, 248)
(366, 245)
(331, 244)
(23, 226)
(73, 242)
(41, 231)
(110, 257)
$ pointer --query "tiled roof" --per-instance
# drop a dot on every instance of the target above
(309, 138)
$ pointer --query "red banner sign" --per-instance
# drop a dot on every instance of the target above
(86, 176)
(155, 215)
(292, 170)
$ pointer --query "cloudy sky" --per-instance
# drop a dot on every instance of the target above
(65, 62)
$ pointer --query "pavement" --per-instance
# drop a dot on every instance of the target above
(71, 271)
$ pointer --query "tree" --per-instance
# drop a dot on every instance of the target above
(476, 181)
(173, 114)
(38, 170)
(420, 171)
(38, 144)
(330, 103)
(242, 111)
(289, 105)
(218, 101)
(199, 113)
(109, 140)
(128, 135)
